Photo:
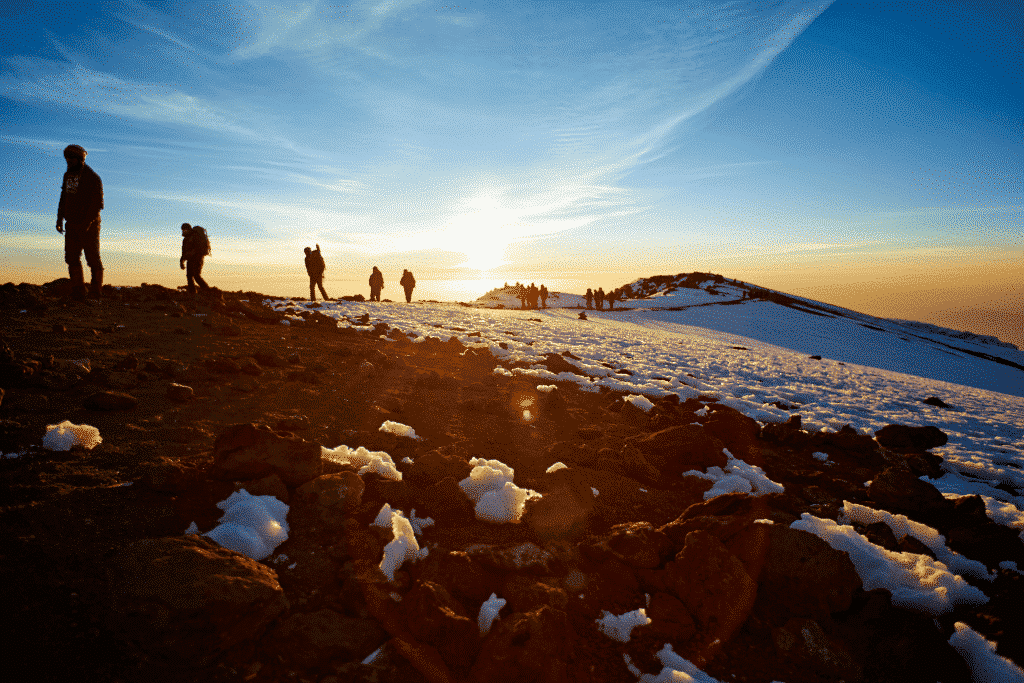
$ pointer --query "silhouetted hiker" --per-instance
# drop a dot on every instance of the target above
(522, 294)
(78, 219)
(599, 298)
(376, 284)
(195, 247)
(610, 298)
(590, 299)
(408, 283)
(315, 268)
(543, 296)
(532, 294)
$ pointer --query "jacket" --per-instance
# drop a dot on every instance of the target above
(407, 281)
(315, 265)
(377, 280)
(81, 196)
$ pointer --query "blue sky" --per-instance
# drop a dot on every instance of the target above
(801, 145)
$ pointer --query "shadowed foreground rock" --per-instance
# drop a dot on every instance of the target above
(188, 600)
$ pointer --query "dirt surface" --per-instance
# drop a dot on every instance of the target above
(66, 517)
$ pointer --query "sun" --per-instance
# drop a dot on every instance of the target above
(483, 234)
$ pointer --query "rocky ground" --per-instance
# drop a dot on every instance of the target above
(197, 397)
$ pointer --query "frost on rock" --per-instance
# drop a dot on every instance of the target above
(377, 462)
(399, 429)
(251, 525)
(403, 546)
(489, 612)
(61, 437)
(915, 581)
(490, 486)
(737, 477)
(621, 627)
(641, 402)
(981, 657)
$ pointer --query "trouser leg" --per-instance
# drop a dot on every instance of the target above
(320, 285)
(312, 288)
(91, 246)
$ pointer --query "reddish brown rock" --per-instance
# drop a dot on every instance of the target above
(713, 584)
(188, 600)
(565, 508)
(670, 619)
(435, 617)
(525, 594)
(332, 497)
(312, 639)
(523, 648)
(915, 438)
(638, 544)
(678, 449)
(271, 485)
(110, 400)
(807, 646)
(898, 490)
(805, 577)
(462, 575)
(248, 451)
(737, 431)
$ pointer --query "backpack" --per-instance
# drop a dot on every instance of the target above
(202, 241)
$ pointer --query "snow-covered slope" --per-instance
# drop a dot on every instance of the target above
(756, 357)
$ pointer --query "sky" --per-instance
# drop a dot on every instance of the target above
(867, 154)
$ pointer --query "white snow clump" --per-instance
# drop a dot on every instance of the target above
(61, 437)
(251, 525)
(621, 627)
(980, 655)
(557, 466)
(738, 477)
(676, 669)
(367, 461)
(403, 546)
(915, 581)
(399, 429)
(641, 402)
(490, 486)
(489, 612)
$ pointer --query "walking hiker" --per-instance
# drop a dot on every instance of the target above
(315, 268)
(531, 295)
(610, 298)
(376, 284)
(543, 296)
(590, 299)
(408, 283)
(195, 247)
(599, 298)
(78, 219)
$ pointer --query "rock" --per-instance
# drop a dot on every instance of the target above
(737, 431)
(807, 646)
(525, 648)
(229, 329)
(681, 448)
(713, 584)
(914, 438)
(122, 380)
(435, 617)
(463, 575)
(269, 359)
(110, 400)
(898, 490)
(223, 365)
(250, 367)
(565, 508)
(312, 639)
(248, 451)
(168, 476)
(180, 393)
(805, 577)
(524, 557)
(558, 364)
(270, 485)
(937, 402)
(638, 544)
(188, 600)
(332, 496)
(670, 619)
(525, 594)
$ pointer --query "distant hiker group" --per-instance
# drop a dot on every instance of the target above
(529, 296)
(597, 299)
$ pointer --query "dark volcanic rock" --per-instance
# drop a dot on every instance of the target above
(682, 448)
(248, 451)
(526, 647)
(188, 600)
(916, 438)
(110, 400)
(312, 639)
(435, 617)
(332, 496)
(180, 393)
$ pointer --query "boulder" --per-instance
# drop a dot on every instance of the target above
(525, 594)
(110, 400)
(713, 584)
(806, 645)
(898, 490)
(248, 451)
(737, 431)
(566, 507)
(180, 393)
(558, 364)
(435, 617)
(332, 497)
(638, 544)
(526, 647)
(270, 485)
(900, 437)
(313, 639)
(678, 449)
(464, 576)
(670, 619)
(188, 600)
(805, 577)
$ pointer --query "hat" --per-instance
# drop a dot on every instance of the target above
(308, 250)
(186, 226)
(75, 150)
